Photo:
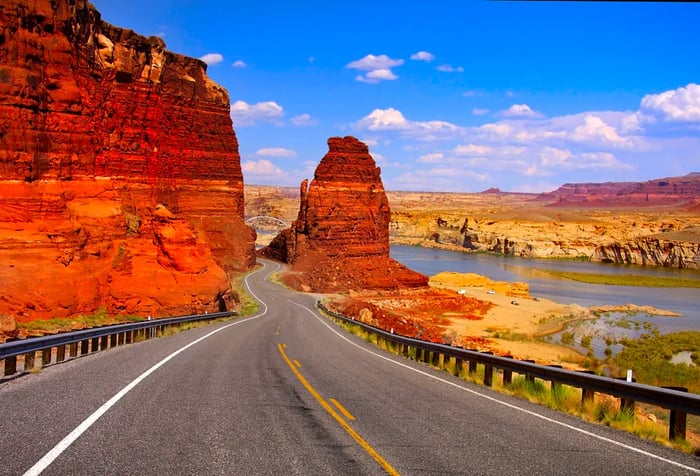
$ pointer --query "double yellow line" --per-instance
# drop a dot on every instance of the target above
(366, 446)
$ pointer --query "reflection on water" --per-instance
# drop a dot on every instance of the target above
(685, 301)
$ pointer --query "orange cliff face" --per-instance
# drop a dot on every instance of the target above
(120, 178)
(340, 239)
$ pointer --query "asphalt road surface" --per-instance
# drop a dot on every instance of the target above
(287, 392)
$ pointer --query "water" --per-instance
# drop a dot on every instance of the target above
(685, 301)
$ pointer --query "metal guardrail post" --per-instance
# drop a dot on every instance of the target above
(488, 372)
(73, 349)
(84, 346)
(45, 357)
(10, 365)
(507, 374)
(459, 364)
(529, 378)
(104, 342)
(587, 395)
(435, 360)
(29, 361)
(60, 353)
(677, 420)
(472, 367)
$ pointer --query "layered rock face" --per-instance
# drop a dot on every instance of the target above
(340, 239)
(120, 178)
(650, 252)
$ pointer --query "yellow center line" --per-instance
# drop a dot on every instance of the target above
(342, 409)
(366, 446)
(296, 362)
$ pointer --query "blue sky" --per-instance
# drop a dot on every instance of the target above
(451, 95)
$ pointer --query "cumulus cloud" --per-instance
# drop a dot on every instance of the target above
(262, 169)
(595, 130)
(277, 152)
(677, 105)
(376, 75)
(393, 120)
(244, 114)
(519, 110)
(423, 56)
(303, 120)
(448, 68)
(371, 62)
(377, 68)
(212, 58)
(240, 64)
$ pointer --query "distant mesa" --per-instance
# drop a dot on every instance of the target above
(662, 191)
(120, 177)
(340, 240)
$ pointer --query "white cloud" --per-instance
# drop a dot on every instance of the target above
(277, 152)
(303, 120)
(371, 62)
(378, 68)
(377, 75)
(678, 105)
(471, 149)
(480, 111)
(431, 158)
(393, 120)
(448, 68)
(383, 119)
(423, 56)
(212, 58)
(471, 93)
(312, 59)
(520, 110)
(239, 64)
(595, 130)
(370, 142)
(244, 114)
(262, 169)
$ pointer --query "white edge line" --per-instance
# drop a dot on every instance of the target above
(510, 405)
(62, 445)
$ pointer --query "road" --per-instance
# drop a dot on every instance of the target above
(287, 392)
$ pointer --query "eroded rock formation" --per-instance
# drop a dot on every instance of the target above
(340, 239)
(650, 252)
(120, 178)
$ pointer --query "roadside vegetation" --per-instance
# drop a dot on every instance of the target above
(626, 279)
(67, 324)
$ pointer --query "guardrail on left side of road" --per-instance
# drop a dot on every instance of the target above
(53, 348)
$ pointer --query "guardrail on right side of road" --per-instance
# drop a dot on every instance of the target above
(675, 399)
(53, 348)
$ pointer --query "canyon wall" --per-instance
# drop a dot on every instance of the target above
(650, 252)
(120, 178)
(340, 239)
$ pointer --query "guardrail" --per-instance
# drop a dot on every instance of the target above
(53, 348)
(675, 399)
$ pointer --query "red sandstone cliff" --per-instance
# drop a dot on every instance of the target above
(120, 178)
(340, 239)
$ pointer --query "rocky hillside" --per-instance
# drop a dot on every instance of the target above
(120, 178)
(340, 239)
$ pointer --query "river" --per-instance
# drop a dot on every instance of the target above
(685, 301)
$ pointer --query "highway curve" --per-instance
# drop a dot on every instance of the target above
(287, 392)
